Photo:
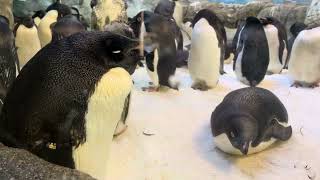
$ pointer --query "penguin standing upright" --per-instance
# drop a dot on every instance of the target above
(70, 99)
(277, 42)
(249, 120)
(54, 12)
(9, 64)
(27, 40)
(304, 62)
(207, 44)
(160, 48)
(252, 54)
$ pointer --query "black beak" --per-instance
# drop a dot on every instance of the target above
(244, 148)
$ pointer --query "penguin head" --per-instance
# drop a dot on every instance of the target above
(296, 28)
(241, 131)
(27, 22)
(93, 3)
(39, 14)
(62, 9)
(121, 51)
(165, 8)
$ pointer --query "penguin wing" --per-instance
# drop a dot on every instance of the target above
(149, 61)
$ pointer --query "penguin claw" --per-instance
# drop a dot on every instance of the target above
(222, 72)
(150, 89)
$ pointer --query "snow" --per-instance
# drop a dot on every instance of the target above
(181, 146)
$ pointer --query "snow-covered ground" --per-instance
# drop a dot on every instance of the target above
(180, 146)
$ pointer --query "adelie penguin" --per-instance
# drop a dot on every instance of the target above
(252, 53)
(26, 39)
(70, 99)
(208, 45)
(304, 62)
(159, 47)
(9, 63)
(249, 120)
(54, 12)
(277, 44)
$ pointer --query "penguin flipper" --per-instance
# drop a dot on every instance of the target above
(282, 133)
(149, 61)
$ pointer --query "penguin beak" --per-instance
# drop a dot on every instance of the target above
(244, 148)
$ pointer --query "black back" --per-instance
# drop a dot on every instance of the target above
(65, 27)
(8, 58)
(48, 100)
(255, 57)
(163, 36)
(259, 103)
(282, 35)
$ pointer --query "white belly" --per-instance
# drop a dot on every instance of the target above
(205, 54)
(304, 62)
(273, 43)
(104, 112)
(27, 42)
(154, 75)
(238, 69)
(223, 143)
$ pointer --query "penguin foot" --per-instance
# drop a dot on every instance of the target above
(222, 72)
(303, 84)
(150, 83)
(120, 132)
(314, 85)
(202, 86)
(150, 89)
(269, 73)
(296, 85)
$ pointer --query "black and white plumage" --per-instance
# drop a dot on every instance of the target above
(159, 47)
(249, 120)
(70, 99)
(9, 63)
(252, 54)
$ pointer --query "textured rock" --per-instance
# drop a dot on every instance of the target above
(21, 164)
(6, 10)
(107, 11)
(313, 14)
(27, 7)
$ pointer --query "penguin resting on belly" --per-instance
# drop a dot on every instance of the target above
(71, 99)
(159, 47)
(207, 44)
(9, 63)
(249, 120)
(304, 62)
(252, 53)
(27, 40)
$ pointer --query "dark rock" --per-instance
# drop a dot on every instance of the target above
(21, 164)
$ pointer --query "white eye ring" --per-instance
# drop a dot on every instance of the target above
(116, 52)
(232, 135)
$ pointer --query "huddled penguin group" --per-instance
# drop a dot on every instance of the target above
(73, 87)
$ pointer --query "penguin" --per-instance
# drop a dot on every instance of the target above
(252, 54)
(9, 63)
(167, 8)
(304, 62)
(26, 40)
(38, 15)
(54, 12)
(218, 27)
(65, 27)
(249, 120)
(71, 99)
(295, 29)
(159, 47)
(277, 43)
(204, 64)
(240, 24)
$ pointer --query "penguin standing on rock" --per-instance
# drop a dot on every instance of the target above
(159, 47)
(277, 42)
(304, 62)
(54, 12)
(9, 63)
(252, 54)
(207, 50)
(248, 121)
(70, 99)
(27, 40)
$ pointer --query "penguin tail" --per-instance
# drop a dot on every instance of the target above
(174, 82)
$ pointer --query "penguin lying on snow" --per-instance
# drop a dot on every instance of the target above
(9, 64)
(295, 29)
(68, 100)
(159, 47)
(248, 121)
(207, 50)
(65, 27)
(304, 62)
(54, 12)
(27, 40)
(277, 43)
(252, 54)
